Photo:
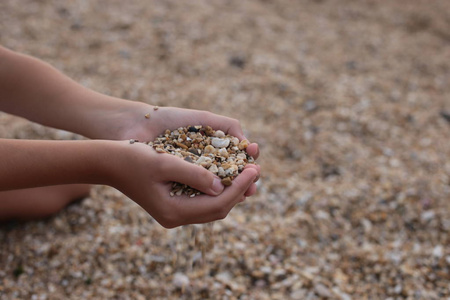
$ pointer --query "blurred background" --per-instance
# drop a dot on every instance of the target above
(349, 102)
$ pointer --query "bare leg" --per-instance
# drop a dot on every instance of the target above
(27, 204)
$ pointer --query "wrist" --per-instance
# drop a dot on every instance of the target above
(117, 119)
(31, 163)
(111, 162)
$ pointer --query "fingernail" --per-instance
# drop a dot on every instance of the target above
(217, 185)
(256, 178)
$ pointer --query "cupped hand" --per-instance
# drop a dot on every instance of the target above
(146, 176)
(143, 128)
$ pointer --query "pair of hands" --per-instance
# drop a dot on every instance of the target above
(136, 169)
(145, 176)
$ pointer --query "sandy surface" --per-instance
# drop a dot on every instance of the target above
(347, 100)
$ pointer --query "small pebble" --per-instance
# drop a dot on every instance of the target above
(445, 115)
(221, 172)
(147, 116)
(180, 280)
(223, 152)
(237, 61)
(192, 129)
(194, 151)
(226, 181)
(235, 141)
(155, 107)
(220, 143)
(219, 134)
(243, 144)
(203, 159)
(209, 131)
(213, 168)
(323, 291)
(310, 105)
(438, 251)
(210, 149)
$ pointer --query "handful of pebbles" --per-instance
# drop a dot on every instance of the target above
(220, 153)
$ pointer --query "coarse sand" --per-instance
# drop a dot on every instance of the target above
(349, 102)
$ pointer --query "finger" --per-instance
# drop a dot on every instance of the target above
(253, 150)
(241, 184)
(203, 208)
(251, 190)
(177, 170)
(256, 167)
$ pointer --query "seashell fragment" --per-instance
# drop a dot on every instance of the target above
(220, 143)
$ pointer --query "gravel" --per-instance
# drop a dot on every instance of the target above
(220, 153)
(348, 102)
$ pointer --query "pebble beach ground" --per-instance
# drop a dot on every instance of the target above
(349, 102)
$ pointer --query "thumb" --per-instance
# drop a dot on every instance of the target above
(177, 170)
(203, 208)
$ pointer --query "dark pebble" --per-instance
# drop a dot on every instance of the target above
(310, 106)
(445, 115)
(351, 65)
(18, 271)
(195, 151)
(237, 61)
(193, 129)
(76, 26)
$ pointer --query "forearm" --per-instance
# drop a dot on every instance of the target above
(34, 90)
(29, 163)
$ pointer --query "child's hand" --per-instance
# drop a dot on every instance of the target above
(145, 176)
(137, 126)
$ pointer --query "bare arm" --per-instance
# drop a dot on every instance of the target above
(33, 89)
(135, 169)
(30, 163)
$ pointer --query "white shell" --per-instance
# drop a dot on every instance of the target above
(220, 143)
(219, 134)
(203, 159)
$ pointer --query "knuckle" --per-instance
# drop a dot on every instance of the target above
(168, 223)
(222, 213)
(222, 216)
(204, 173)
(169, 219)
(160, 163)
(163, 164)
(207, 115)
(235, 122)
